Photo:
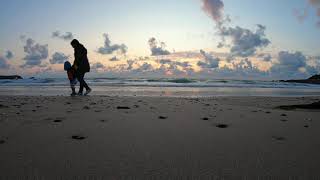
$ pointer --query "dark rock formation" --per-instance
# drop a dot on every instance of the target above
(312, 80)
(314, 106)
(11, 77)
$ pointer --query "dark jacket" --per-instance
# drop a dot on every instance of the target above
(81, 62)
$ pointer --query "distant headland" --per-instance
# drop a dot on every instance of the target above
(11, 77)
(312, 80)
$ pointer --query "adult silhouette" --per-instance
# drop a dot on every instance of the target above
(81, 65)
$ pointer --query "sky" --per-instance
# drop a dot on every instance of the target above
(218, 39)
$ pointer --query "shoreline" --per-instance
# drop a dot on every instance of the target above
(133, 91)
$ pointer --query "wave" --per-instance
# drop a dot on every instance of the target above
(160, 82)
(182, 80)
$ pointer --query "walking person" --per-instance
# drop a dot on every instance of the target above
(81, 65)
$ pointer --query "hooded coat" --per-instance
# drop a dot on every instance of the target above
(81, 62)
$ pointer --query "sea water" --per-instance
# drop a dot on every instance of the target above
(176, 87)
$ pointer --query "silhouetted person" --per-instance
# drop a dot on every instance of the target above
(81, 65)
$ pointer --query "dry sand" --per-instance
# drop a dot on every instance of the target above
(157, 138)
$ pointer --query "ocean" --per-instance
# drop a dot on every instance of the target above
(160, 87)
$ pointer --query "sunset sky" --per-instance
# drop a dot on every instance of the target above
(247, 39)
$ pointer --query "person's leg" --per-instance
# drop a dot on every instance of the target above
(85, 85)
(73, 88)
(88, 89)
(80, 77)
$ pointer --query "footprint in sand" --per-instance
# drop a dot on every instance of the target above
(222, 126)
(278, 138)
(163, 117)
(78, 137)
(57, 121)
(123, 107)
(3, 106)
(86, 107)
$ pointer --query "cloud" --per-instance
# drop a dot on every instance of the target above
(265, 57)
(244, 42)
(292, 61)
(114, 58)
(109, 48)
(98, 65)
(292, 65)
(174, 63)
(209, 61)
(4, 60)
(214, 8)
(157, 50)
(145, 67)
(303, 13)
(9, 55)
(316, 5)
(130, 64)
(35, 53)
(58, 58)
(3, 63)
(67, 36)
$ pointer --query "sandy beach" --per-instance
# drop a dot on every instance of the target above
(160, 138)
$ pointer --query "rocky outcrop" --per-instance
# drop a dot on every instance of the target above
(11, 77)
(312, 80)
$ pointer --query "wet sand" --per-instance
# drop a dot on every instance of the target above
(158, 138)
